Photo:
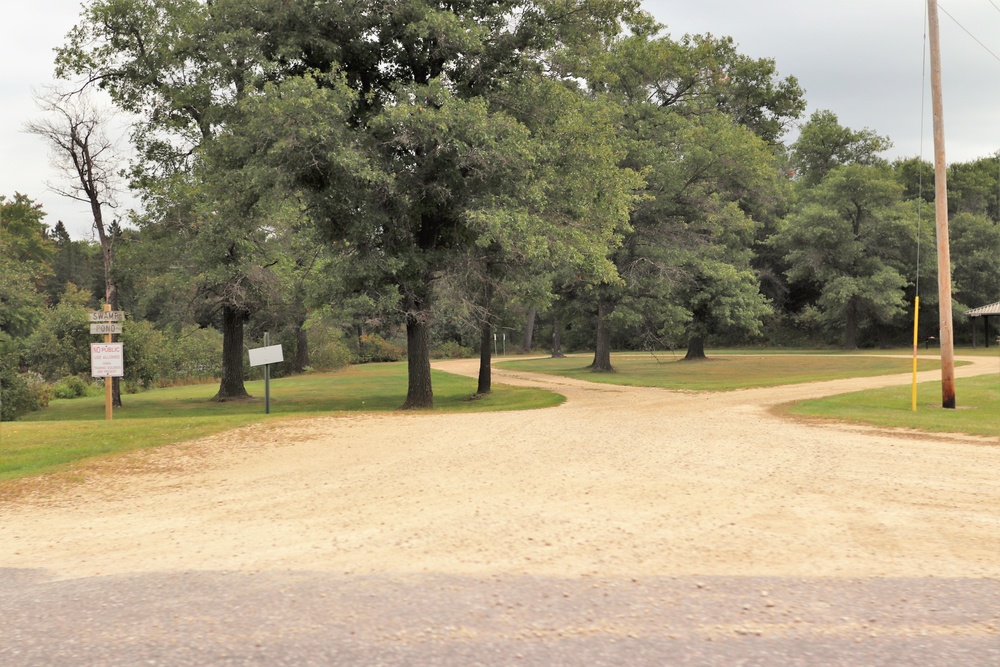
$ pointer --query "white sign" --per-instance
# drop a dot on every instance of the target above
(106, 328)
(107, 316)
(271, 354)
(107, 360)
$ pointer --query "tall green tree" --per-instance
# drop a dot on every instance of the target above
(853, 237)
(182, 67)
(702, 121)
(186, 66)
(824, 144)
(26, 254)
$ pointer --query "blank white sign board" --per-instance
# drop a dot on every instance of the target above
(271, 354)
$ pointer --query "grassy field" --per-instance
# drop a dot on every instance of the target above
(70, 431)
(977, 413)
(723, 370)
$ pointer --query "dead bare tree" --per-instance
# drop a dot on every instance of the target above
(76, 130)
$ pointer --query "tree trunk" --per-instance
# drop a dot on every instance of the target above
(557, 352)
(602, 353)
(116, 382)
(419, 394)
(529, 331)
(851, 325)
(231, 387)
(301, 347)
(884, 336)
(696, 349)
(485, 359)
(110, 296)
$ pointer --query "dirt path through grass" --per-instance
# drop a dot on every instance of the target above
(618, 481)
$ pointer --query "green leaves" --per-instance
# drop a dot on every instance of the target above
(853, 237)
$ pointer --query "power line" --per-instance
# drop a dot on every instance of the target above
(974, 38)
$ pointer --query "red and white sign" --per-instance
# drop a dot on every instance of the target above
(107, 360)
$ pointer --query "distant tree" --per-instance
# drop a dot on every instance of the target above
(79, 262)
(59, 345)
(824, 144)
(24, 238)
(974, 187)
(75, 129)
(701, 123)
(26, 255)
(917, 178)
(852, 236)
(975, 256)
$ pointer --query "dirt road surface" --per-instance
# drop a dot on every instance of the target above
(627, 526)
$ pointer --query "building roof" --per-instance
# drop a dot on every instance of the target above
(982, 311)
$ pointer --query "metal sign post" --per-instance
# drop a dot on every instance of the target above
(265, 356)
(267, 377)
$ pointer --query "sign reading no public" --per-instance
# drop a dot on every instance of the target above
(107, 360)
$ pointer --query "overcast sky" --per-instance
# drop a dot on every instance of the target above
(862, 59)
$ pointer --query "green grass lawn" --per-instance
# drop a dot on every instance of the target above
(977, 412)
(723, 370)
(74, 430)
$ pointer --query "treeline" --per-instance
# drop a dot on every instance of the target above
(361, 179)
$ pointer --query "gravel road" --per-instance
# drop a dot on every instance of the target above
(629, 526)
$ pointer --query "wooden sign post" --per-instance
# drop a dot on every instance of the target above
(107, 358)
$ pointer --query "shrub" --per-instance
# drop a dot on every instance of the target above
(451, 350)
(196, 354)
(374, 348)
(21, 393)
(60, 344)
(71, 386)
(147, 357)
(327, 349)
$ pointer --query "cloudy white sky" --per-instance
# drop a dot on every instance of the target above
(862, 59)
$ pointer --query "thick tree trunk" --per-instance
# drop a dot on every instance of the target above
(557, 352)
(419, 394)
(696, 349)
(529, 330)
(231, 387)
(851, 325)
(485, 359)
(602, 353)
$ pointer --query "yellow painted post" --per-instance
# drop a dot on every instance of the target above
(916, 320)
(107, 380)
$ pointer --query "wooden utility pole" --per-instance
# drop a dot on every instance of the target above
(941, 215)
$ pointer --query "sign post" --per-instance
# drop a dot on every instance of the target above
(107, 359)
(265, 356)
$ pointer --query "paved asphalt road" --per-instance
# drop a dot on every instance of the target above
(307, 618)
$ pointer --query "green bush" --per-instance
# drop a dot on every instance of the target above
(71, 386)
(21, 393)
(327, 349)
(372, 348)
(451, 350)
(60, 344)
(194, 354)
(147, 355)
